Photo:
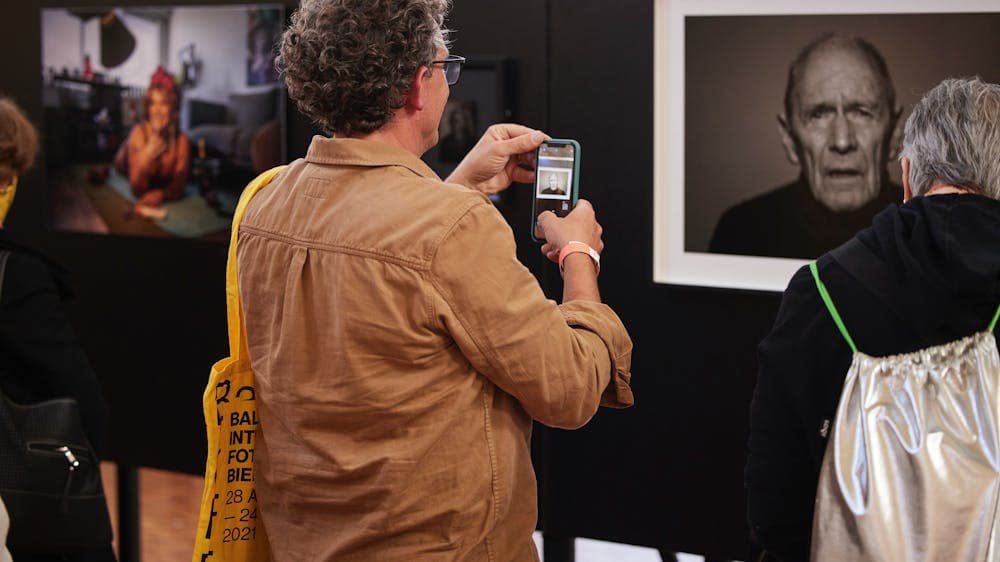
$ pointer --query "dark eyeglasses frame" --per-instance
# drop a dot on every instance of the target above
(452, 68)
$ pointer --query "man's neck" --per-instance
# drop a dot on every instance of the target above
(397, 132)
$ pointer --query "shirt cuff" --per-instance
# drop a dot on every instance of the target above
(599, 319)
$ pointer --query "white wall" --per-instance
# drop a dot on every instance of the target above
(61, 46)
(220, 38)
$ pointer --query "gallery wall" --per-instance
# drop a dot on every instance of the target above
(667, 472)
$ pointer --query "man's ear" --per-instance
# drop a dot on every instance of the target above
(896, 139)
(904, 162)
(787, 140)
(415, 99)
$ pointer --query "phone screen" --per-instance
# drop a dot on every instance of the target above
(555, 184)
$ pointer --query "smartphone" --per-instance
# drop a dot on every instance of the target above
(557, 173)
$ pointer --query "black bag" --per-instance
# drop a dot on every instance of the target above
(50, 476)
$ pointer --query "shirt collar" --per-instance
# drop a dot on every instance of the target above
(357, 152)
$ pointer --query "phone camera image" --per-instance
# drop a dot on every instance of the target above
(556, 179)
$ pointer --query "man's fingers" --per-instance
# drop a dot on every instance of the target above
(550, 251)
(545, 217)
(521, 144)
(505, 131)
(520, 175)
(583, 207)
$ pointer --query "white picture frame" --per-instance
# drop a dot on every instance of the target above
(674, 261)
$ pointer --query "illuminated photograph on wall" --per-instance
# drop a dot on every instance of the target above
(157, 117)
(778, 126)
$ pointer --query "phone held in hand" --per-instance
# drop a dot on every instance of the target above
(557, 171)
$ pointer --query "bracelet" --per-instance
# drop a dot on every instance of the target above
(575, 246)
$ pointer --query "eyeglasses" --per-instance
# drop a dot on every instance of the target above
(452, 68)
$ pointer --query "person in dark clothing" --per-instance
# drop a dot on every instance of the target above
(40, 357)
(839, 128)
(941, 251)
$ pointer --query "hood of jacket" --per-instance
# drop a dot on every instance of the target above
(944, 251)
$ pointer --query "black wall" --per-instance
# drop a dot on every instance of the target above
(667, 472)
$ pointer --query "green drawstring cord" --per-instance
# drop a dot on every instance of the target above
(996, 316)
(840, 323)
(833, 310)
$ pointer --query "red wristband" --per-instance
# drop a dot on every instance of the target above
(575, 246)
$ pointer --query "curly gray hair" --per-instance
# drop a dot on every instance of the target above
(348, 63)
(953, 136)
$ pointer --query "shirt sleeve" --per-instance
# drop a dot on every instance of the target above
(560, 361)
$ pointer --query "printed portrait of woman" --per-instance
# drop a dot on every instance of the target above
(156, 156)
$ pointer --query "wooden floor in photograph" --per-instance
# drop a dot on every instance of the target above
(168, 502)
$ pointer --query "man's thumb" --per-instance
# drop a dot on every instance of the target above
(522, 143)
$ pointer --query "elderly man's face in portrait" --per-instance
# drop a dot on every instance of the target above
(840, 126)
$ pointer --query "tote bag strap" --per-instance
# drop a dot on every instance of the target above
(234, 309)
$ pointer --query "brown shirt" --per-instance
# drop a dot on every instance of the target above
(401, 351)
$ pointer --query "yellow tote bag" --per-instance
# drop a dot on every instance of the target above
(229, 527)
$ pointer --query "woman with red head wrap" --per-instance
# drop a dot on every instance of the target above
(156, 155)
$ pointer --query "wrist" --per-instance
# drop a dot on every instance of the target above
(458, 177)
(577, 247)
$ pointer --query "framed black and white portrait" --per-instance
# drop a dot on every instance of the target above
(778, 124)
(457, 130)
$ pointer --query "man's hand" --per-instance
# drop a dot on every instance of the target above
(580, 225)
(495, 162)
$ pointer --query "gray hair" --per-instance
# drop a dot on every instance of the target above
(953, 136)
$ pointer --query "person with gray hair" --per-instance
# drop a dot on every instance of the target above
(840, 129)
(925, 273)
(952, 139)
(400, 350)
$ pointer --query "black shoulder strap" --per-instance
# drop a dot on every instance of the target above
(869, 270)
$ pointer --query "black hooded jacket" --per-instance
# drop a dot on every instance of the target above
(943, 260)
(40, 357)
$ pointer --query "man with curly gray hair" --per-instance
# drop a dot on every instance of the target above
(400, 349)
(924, 274)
